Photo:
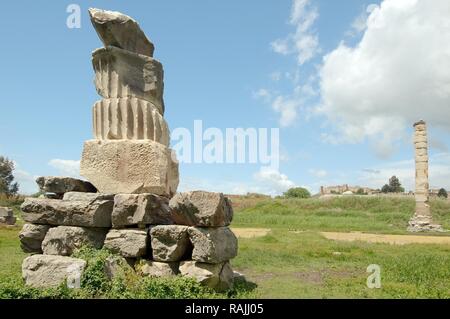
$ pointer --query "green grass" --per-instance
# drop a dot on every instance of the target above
(344, 214)
(288, 264)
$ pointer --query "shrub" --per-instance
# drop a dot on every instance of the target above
(443, 193)
(297, 192)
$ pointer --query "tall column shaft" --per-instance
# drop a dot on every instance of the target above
(421, 157)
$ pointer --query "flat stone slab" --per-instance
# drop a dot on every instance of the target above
(129, 243)
(67, 213)
(213, 245)
(170, 243)
(200, 208)
(42, 271)
(6, 212)
(158, 269)
(123, 74)
(80, 196)
(219, 277)
(64, 240)
(130, 167)
(61, 185)
(140, 209)
(31, 237)
(119, 30)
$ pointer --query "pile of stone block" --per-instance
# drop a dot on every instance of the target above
(187, 235)
(129, 204)
(7, 216)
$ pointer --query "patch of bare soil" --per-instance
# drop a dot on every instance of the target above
(387, 239)
(250, 232)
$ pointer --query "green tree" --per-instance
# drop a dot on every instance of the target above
(297, 192)
(386, 189)
(360, 192)
(443, 193)
(395, 186)
(7, 184)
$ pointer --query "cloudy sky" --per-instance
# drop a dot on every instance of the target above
(343, 80)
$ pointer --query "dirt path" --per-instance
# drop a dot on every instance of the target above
(250, 232)
(388, 239)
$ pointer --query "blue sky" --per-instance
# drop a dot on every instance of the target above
(343, 80)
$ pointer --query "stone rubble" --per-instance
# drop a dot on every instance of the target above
(131, 208)
(7, 216)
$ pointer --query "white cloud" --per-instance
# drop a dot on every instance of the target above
(263, 94)
(66, 167)
(439, 173)
(396, 75)
(27, 181)
(319, 173)
(273, 181)
(304, 42)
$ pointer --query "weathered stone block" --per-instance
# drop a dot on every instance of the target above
(64, 240)
(140, 209)
(129, 118)
(130, 166)
(200, 208)
(119, 30)
(8, 220)
(61, 185)
(213, 245)
(120, 74)
(67, 213)
(215, 276)
(170, 243)
(49, 271)
(6, 212)
(116, 267)
(129, 243)
(157, 269)
(79, 196)
(31, 237)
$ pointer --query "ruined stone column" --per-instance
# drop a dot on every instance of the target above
(422, 219)
(130, 150)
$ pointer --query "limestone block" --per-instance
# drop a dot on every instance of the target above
(67, 213)
(6, 212)
(120, 74)
(422, 158)
(129, 167)
(119, 30)
(213, 245)
(216, 276)
(158, 269)
(420, 139)
(61, 185)
(43, 271)
(421, 145)
(64, 240)
(31, 237)
(200, 208)
(170, 243)
(140, 209)
(79, 196)
(129, 243)
(9, 220)
(421, 152)
(129, 118)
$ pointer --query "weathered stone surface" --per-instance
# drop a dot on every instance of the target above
(215, 276)
(129, 243)
(119, 30)
(6, 212)
(116, 267)
(200, 208)
(129, 118)
(213, 245)
(158, 269)
(423, 223)
(79, 196)
(61, 185)
(7, 216)
(130, 167)
(64, 240)
(67, 213)
(49, 271)
(31, 237)
(140, 209)
(120, 74)
(170, 243)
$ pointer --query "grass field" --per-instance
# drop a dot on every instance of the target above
(294, 261)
